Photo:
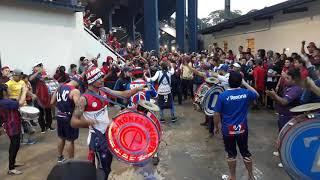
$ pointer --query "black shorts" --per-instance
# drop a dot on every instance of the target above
(231, 142)
(165, 101)
(65, 131)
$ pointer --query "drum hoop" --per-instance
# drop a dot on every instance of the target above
(24, 108)
(209, 93)
(289, 170)
(198, 98)
(134, 111)
(121, 159)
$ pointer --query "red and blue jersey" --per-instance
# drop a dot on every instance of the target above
(10, 115)
(142, 95)
(96, 109)
(233, 106)
(65, 104)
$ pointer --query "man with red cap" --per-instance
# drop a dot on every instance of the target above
(138, 75)
(91, 112)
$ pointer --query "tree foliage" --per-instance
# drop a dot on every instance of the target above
(216, 17)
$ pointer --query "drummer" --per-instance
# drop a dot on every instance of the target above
(289, 99)
(147, 94)
(15, 85)
(10, 115)
(91, 112)
(45, 116)
(222, 75)
(66, 97)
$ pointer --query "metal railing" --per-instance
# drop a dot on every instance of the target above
(105, 45)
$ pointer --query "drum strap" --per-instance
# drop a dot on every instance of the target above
(107, 91)
(164, 75)
(105, 99)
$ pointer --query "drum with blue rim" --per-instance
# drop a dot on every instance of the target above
(210, 99)
(299, 144)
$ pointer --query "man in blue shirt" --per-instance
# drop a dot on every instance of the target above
(231, 110)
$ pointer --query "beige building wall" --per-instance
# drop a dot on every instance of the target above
(283, 31)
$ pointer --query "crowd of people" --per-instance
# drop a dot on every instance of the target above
(277, 81)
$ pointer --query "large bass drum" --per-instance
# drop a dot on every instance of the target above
(199, 95)
(134, 136)
(299, 147)
(210, 99)
(45, 90)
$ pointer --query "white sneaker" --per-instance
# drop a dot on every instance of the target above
(276, 153)
(14, 172)
(225, 177)
(280, 165)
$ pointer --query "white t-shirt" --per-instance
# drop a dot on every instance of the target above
(165, 86)
(271, 78)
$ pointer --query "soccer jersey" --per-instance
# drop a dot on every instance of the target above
(233, 106)
(142, 95)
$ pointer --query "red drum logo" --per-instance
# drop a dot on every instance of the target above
(133, 138)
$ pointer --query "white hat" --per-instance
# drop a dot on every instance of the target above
(237, 65)
(37, 63)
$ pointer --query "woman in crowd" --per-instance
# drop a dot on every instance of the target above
(9, 113)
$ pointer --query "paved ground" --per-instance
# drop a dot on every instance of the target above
(186, 152)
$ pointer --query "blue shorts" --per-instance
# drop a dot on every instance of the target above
(65, 131)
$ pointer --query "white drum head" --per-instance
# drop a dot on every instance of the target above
(29, 109)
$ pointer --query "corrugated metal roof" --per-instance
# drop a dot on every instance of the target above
(266, 12)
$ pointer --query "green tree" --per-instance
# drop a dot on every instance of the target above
(218, 16)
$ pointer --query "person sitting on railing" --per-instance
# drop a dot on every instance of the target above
(115, 44)
(96, 29)
(110, 38)
(103, 35)
(87, 18)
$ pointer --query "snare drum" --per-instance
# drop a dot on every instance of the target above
(299, 147)
(134, 136)
(45, 90)
(29, 113)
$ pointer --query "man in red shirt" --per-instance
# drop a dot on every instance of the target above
(259, 74)
(91, 112)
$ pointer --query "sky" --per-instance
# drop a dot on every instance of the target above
(207, 6)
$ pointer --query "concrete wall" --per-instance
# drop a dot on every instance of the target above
(284, 31)
(35, 33)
